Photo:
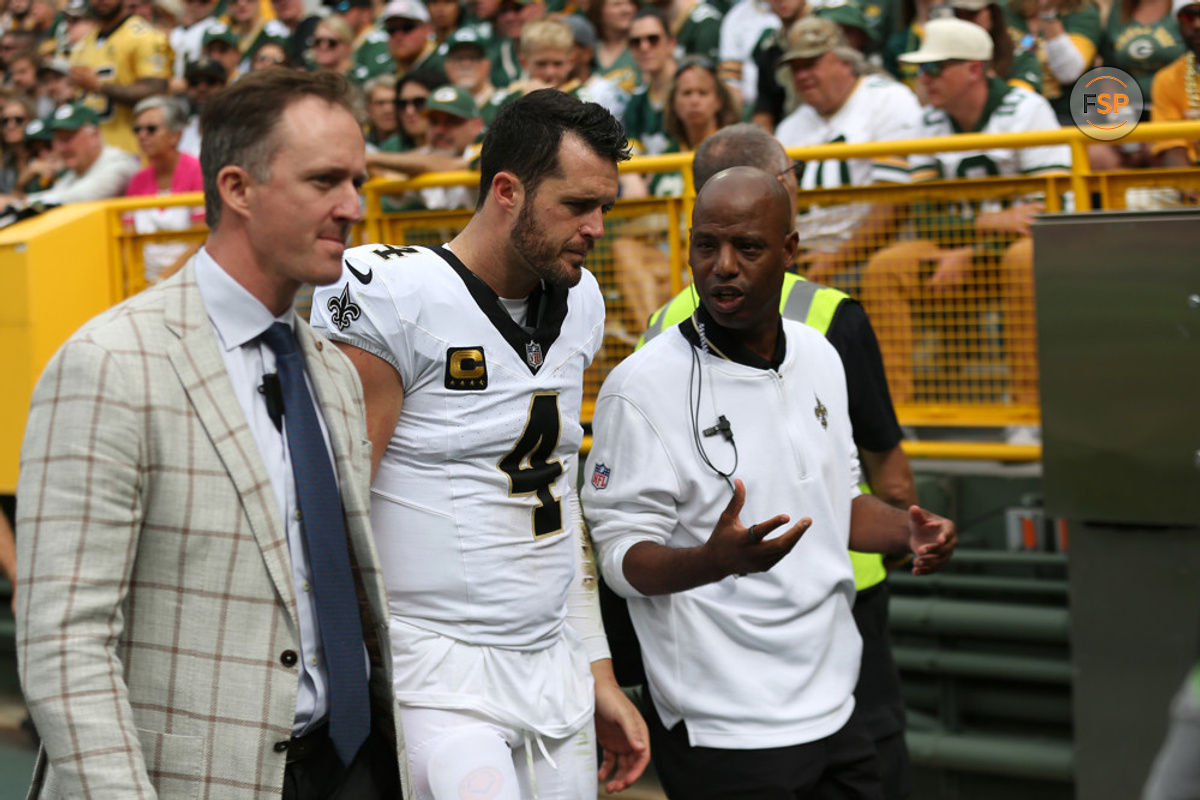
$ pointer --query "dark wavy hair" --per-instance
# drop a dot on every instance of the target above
(524, 138)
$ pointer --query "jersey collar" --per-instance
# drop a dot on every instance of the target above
(547, 310)
(723, 344)
(997, 89)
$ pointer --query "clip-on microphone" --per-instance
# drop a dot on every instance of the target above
(273, 393)
(722, 427)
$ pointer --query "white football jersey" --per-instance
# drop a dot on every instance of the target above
(858, 120)
(469, 504)
(743, 25)
(1009, 109)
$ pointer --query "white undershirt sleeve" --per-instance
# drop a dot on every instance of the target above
(1063, 58)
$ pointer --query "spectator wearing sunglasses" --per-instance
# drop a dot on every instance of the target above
(653, 49)
(158, 125)
(94, 170)
(842, 99)
(204, 78)
(965, 243)
(15, 113)
(332, 49)
(301, 27)
(412, 93)
(454, 137)
(271, 54)
(410, 45)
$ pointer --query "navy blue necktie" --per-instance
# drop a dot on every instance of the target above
(328, 550)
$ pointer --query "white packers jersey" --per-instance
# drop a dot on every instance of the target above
(469, 505)
(1009, 109)
(860, 119)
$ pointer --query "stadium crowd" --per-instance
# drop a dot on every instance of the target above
(103, 98)
(674, 72)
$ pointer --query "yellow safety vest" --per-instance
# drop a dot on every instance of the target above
(802, 301)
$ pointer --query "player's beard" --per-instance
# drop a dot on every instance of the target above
(544, 257)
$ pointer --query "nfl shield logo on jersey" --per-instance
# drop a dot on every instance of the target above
(533, 354)
(600, 476)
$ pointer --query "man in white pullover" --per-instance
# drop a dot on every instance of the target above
(750, 648)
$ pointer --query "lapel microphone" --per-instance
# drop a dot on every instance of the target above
(273, 392)
(722, 427)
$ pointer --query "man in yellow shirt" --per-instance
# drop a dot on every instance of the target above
(1174, 94)
(123, 61)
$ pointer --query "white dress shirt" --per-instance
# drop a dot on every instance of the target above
(239, 319)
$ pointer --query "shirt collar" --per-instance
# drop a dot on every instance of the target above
(721, 339)
(997, 90)
(238, 316)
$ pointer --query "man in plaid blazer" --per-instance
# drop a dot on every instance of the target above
(168, 633)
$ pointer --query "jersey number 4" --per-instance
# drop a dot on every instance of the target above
(529, 469)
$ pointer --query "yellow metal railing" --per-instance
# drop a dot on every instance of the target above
(958, 357)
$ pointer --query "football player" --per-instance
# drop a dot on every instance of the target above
(472, 357)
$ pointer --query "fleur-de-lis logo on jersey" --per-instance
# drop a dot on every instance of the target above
(342, 309)
(821, 413)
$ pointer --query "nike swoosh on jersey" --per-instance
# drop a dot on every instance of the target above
(363, 277)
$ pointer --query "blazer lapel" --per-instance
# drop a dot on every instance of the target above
(196, 358)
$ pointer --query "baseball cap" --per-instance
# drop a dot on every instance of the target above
(949, 38)
(58, 65)
(219, 33)
(454, 101)
(582, 29)
(1180, 5)
(846, 13)
(72, 117)
(38, 130)
(466, 37)
(970, 5)
(172, 7)
(810, 37)
(77, 9)
(405, 9)
(207, 70)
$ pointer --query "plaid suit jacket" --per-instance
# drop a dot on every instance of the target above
(156, 601)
